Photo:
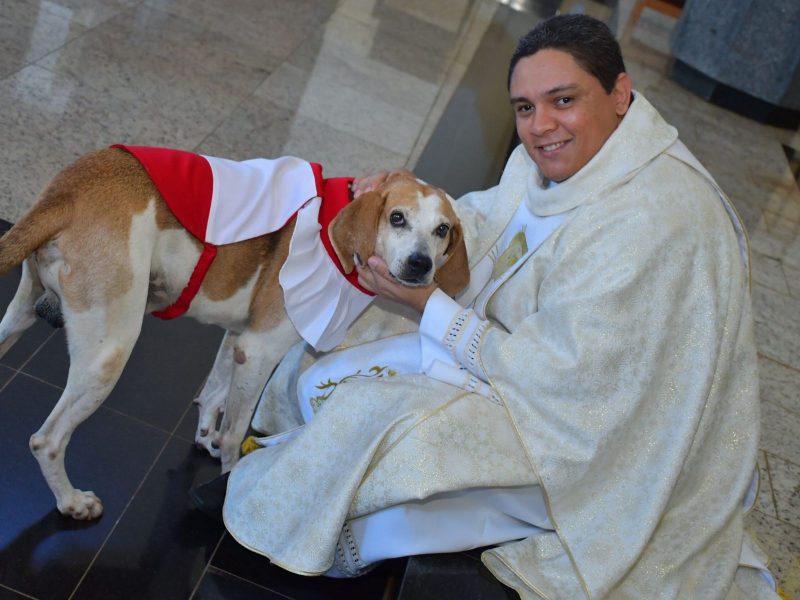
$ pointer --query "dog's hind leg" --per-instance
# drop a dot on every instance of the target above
(100, 341)
(211, 400)
(21, 313)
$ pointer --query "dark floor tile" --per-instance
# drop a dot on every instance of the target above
(188, 425)
(162, 544)
(168, 365)
(35, 336)
(440, 576)
(236, 559)
(218, 585)
(51, 362)
(166, 368)
(43, 553)
(5, 374)
(7, 594)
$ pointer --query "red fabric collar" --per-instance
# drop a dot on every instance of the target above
(335, 196)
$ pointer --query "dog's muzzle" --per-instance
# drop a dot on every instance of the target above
(416, 269)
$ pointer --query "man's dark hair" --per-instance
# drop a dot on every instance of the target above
(589, 41)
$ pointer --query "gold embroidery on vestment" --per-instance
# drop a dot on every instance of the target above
(330, 385)
(516, 250)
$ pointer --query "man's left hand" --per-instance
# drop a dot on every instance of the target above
(375, 277)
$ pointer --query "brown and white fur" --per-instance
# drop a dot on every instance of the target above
(101, 243)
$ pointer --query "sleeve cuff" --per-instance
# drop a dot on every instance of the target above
(451, 333)
(440, 310)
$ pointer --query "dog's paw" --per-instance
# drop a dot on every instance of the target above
(207, 441)
(82, 506)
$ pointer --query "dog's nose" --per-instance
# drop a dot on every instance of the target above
(418, 264)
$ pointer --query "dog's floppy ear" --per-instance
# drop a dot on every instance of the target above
(354, 230)
(453, 275)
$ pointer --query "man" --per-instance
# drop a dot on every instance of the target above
(590, 402)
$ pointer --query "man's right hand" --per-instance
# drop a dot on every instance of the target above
(368, 183)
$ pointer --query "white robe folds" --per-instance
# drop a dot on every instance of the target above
(621, 351)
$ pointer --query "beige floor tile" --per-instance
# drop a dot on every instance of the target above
(792, 280)
(49, 119)
(781, 541)
(111, 64)
(764, 501)
(785, 478)
(779, 384)
(768, 271)
(28, 31)
(779, 429)
(88, 13)
(421, 44)
(341, 52)
(777, 320)
(261, 128)
(152, 32)
(277, 28)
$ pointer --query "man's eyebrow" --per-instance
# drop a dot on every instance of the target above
(559, 89)
(567, 87)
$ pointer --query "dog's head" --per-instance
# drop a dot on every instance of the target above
(412, 226)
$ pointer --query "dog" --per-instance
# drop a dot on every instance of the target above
(100, 247)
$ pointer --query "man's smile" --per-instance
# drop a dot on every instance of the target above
(553, 146)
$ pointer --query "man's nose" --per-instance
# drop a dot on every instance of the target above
(542, 122)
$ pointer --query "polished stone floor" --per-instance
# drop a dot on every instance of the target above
(357, 85)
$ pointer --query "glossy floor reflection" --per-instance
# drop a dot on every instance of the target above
(357, 85)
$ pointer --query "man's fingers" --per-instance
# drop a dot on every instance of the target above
(368, 183)
(378, 266)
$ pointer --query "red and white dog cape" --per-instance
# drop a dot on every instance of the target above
(222, 201)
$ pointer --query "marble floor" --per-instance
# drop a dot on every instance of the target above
(357, 85)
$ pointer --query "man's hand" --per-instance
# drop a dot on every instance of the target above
(375, 277)
(368, 183)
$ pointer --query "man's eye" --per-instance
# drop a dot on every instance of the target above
(442, 230)
(397, 219)
(524, 108)
(564, 101)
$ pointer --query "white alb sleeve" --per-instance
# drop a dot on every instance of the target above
(451, 334)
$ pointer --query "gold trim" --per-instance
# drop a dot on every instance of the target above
(517, 575)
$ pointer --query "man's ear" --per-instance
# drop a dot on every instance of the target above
(622, 93)
(453, 275)
(354, 230)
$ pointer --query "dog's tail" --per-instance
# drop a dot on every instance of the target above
(49, 215)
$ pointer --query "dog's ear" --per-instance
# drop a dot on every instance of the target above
(453, 275)
(354, 230)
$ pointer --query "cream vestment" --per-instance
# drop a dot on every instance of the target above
(622, 374)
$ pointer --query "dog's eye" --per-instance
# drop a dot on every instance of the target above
(442, 230)
(397, 219)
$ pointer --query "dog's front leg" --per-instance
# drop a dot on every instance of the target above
(255, 356)
(211, 400)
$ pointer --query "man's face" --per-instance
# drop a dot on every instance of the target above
(563, 114)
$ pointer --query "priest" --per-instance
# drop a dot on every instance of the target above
(587, 409)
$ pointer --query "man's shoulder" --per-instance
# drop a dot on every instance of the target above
(670, 185)
(666, 198)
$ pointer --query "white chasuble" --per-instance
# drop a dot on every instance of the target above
(622, 359)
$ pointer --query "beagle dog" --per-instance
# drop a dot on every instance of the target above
(101, 246)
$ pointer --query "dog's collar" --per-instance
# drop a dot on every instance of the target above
(335, 193)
